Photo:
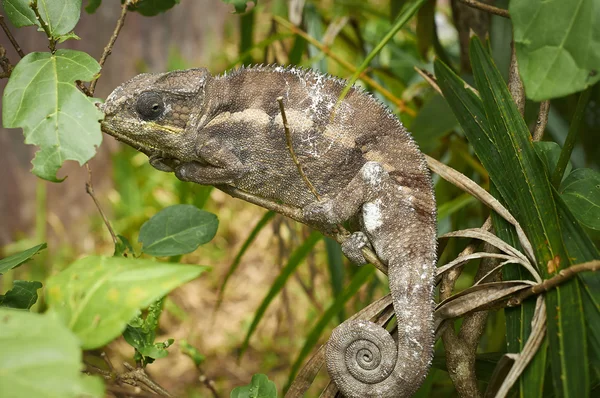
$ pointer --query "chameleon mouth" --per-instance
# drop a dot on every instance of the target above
(137, 145)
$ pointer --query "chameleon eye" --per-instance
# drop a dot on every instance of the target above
(150, 105)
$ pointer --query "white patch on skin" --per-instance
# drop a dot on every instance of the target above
(372, 216)
(372, 173)
(378, 157)
(252, 115)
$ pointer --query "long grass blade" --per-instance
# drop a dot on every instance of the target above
(294, 261)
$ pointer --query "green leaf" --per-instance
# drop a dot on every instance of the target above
(97, 296)
(296, 258)
(434, 120)
(92, 6)
(192, 352)
(581, 192)
(150, 8)
(240, 5)
(22, 296)
(15, 260)
(141, 332)
(259, 387)
(177, 230)
(557, 44)
(60, 16)
(41, 98)
(41, 358)
(549, 152)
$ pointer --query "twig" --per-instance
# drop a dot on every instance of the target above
(347, 65)
(139, 375)
(210, 384)
(288, 139)
(548, 284)
(89, 188)
(132, 391)
(12, 39)
(83, 88)
(7, 67)
(576, 123)
(542, 120)
(111, 42)
(52, 42)
(429, 78)
(515, 84)
(486, 7)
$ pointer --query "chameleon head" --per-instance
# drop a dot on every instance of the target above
(150, 112)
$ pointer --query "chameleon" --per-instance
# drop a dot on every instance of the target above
(228, 131)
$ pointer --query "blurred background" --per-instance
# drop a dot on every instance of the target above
(207, 33)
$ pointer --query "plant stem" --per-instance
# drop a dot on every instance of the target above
(406, 14)
(52, 42)
(12, 39)
(565, 154)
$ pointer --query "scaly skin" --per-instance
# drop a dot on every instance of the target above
(228, 130)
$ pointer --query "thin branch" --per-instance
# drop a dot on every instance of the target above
(542, 120)
(548, 284)
(52, 42)
(486, 7)
(89, 188)
(83, 88)
(7, 67)
(12, 39)
(209, 383)
(429, 78)
(347, 65)
(111, 42)
(288, 139)
(139, 375)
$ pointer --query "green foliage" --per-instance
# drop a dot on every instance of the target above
(22, 296)
(97, 296)
(100, 298)
(60, 16)
(581, 192)
(259, 387)
(41, 98)
(434, 120)
(358, 280)
(150, 8)
(177, 230)
(192, 352)
(92, 6)
(296, 258)
(141, 333)
(558, 45)
(502, 142)
(17, 259)
(239, 5)
(41, 358)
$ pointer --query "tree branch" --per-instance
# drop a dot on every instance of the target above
(12, 39)
(44, 25)
(111, 42)
(486, 7)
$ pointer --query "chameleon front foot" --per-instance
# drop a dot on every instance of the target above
(353, 245)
